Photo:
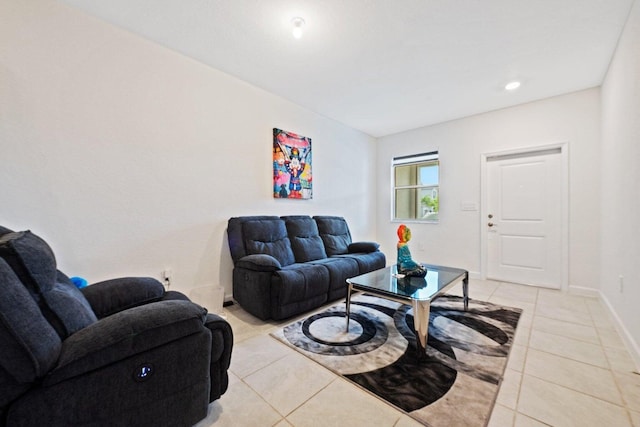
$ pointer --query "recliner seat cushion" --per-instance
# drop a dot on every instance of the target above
(33, 261)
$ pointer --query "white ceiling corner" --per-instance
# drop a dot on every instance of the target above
(384, 67)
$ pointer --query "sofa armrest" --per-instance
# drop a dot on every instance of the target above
(126, 334)
(111, 296)
(366, 247)
(259, 262)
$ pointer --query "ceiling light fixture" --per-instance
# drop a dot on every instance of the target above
(298, 24)
(512, 85)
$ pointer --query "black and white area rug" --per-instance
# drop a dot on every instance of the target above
(457, 383)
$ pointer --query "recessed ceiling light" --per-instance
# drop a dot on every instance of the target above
(512, 85)
(298, 24)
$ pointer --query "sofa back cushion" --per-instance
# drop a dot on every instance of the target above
(235, 234)
(30, 346)
(268, 236)
(305, 238)
(33, 262)
(335, 234)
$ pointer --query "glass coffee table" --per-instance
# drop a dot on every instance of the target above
(417, 292)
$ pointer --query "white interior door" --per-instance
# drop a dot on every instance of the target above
(524, 218)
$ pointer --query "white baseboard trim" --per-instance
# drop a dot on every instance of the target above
(632, 346)
(584, 292)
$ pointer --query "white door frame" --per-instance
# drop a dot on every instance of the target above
(484, 194)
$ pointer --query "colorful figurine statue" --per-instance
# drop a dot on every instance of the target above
(406, 265)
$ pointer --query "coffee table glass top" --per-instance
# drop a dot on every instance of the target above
(385, 281)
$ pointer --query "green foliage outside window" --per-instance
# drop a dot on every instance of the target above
(432, 203)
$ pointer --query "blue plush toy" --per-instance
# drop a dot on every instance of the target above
(79, 282)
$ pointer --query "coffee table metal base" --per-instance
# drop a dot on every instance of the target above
(421, 310)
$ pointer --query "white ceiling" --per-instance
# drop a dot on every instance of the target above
(384, 66)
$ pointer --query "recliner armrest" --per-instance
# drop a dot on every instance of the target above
(259, 262)
(221, 352)
(125, 334)
(366, 247)
(111, 296)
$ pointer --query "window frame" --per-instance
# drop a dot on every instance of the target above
(413, 159)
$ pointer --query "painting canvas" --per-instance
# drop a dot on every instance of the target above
(292, 178)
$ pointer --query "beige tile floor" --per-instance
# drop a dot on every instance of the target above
(568, 367)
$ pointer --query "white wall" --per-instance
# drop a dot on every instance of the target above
(455, 240)
(129, 158)
(620, 190)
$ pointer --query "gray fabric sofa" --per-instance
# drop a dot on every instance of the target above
(284, 266)
(121, 352)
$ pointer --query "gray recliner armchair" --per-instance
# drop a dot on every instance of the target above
(121, 352)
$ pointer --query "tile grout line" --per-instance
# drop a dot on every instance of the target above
(286, 417)
(613, 374)
(524, 365)
(609, 368)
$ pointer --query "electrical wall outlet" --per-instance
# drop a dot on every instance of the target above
(167, 275)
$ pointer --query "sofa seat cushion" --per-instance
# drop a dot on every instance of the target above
(268, 236)
(367, 261)
(299, 282)
(62, 303)
(340, 269)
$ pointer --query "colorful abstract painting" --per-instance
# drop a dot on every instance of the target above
(292, 178)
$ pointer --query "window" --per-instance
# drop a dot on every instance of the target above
(416, 187)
